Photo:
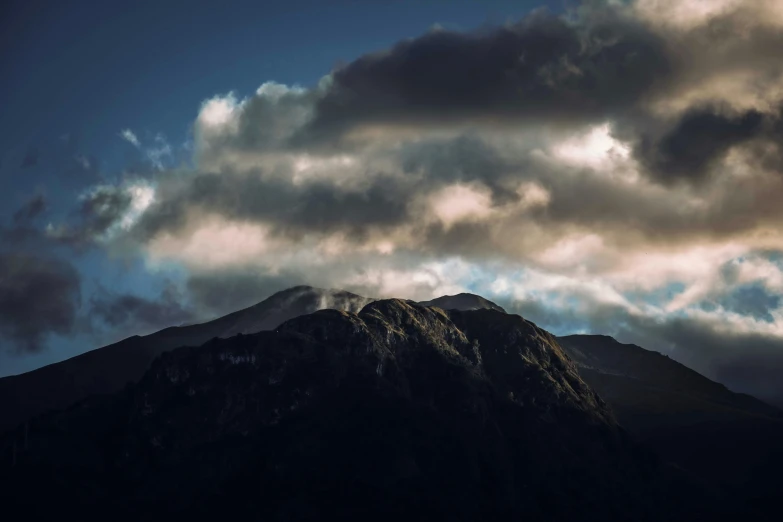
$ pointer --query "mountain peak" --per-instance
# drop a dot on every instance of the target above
(463, 302)
(398, 412)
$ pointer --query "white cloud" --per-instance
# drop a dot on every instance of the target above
(596, 148)
(460, 203)
(142, 195)
(159, 152)
(217, 243)
(129, 136)
(219, 113)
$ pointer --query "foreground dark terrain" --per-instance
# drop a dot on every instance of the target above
(727, 438)
(399, 411)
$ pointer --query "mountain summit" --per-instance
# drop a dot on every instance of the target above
(686, 417)
(399, 412)
(463, 302)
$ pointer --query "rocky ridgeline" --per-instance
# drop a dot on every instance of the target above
(398, 412)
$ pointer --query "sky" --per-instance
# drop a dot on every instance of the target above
(602, 166)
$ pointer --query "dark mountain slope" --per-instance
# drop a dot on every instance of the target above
(728, 438)
(603, 354)
(108, 369)
(399, 412)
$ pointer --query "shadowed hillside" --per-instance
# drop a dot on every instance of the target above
(399, 412)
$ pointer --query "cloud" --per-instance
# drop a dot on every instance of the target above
(138, 314)
(616, 168)
(701, 138)
(129, 136)
(544, 69)
(752, 300)
(730, 341)
(39, 296)
(30, 210)
(223, 292)
(159, 152)
(104, 211)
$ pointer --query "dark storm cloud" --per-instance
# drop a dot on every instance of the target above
(103, 208)
(22, 233)
(124, 311)
(600, 64)
(291, 209)
(30, 210)
(99, 210)
(543, 68)
(701, 137)
(39, 295)
(467, 158)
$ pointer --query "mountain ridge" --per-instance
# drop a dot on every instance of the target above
(109, 368)
(399, 410)
(634, 386)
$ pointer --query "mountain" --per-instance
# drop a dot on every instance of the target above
(617, 368)
(398, 412)
(463, 302)
(728, 438)
(108, 369)
(720, 437)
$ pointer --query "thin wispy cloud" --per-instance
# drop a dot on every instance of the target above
(129, 136)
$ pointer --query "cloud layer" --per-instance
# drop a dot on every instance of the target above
(617, 169)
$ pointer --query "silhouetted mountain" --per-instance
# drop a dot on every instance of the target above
(463, 302)
(725, 438)
(729, 438)
(601, 355)
(402, 412)
(108, 369)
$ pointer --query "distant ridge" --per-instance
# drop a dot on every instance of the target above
(728, 438)
(463, 302)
